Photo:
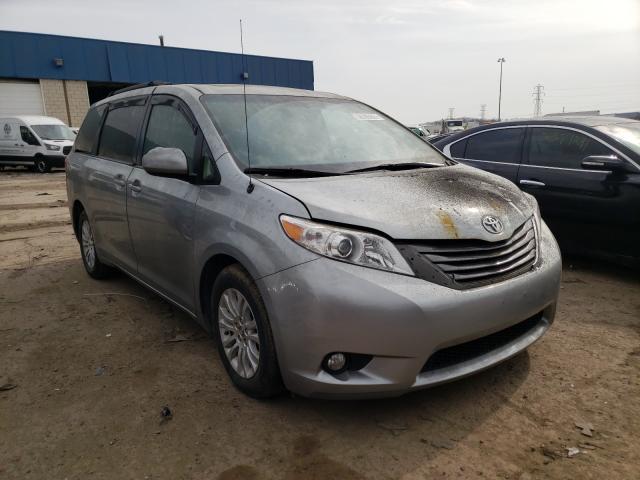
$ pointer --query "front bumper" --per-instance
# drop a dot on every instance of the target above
(55, 161)
(325, 306)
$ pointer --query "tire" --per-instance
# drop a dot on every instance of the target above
(92, 264)
(257, 378)
(41, 165)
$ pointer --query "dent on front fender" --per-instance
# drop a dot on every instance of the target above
(246, 227)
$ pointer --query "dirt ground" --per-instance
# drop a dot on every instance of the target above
(93, 365)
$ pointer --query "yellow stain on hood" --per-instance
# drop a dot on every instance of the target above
(447, 223)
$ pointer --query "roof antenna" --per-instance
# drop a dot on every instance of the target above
(245, 77)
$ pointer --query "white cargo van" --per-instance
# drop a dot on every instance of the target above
(454, 126)
(34, 141)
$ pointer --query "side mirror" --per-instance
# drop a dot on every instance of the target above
(165, 161)
(603, 163)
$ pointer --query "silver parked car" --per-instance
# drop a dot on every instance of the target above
(326, 248)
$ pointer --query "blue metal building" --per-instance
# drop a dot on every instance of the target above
(70, 65)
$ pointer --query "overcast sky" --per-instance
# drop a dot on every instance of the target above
(412, 59)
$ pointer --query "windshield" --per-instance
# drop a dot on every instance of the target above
(626, 133)
(53, 132)
(333, 135)
(454, 123)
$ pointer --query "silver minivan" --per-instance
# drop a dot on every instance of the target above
(327, 249)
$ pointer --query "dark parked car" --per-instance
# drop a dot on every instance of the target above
(584, 172)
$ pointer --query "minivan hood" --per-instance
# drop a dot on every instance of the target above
(438, 203)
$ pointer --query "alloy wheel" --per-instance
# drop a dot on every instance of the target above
(239, 333)
(88, 245)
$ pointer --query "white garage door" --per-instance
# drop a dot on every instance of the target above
(20, 98)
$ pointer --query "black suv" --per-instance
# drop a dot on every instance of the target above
(584, 172)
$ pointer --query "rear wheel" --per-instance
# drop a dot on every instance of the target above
(243, 334)
(92, 264)
(41, 165)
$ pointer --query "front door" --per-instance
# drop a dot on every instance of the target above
(161, 209)
(586, 209)
(29, 144)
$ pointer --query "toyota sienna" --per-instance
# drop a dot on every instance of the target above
(327, 249)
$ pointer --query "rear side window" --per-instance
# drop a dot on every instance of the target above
(118, 139)
(503, 145)
(557, 147)
(169, 128)
(87, 138)
(457, 149)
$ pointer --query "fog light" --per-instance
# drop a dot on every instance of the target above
(335, 362)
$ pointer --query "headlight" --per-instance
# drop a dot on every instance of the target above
(55, 148)
(352, 246)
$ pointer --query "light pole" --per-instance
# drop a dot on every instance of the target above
(501, 60)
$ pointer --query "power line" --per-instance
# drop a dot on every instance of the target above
(605, 109)
(596, 87)
(601, 94)
(538, 93)
(607, 102)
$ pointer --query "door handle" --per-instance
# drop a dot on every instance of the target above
(532, 183)
(119, 180)
(135, 186)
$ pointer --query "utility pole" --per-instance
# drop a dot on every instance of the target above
(501, 60)
(483, 111)
(451, 109)
(538, 93)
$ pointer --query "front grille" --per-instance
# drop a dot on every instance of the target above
(463, 352)
(468, 263)
(66, 150)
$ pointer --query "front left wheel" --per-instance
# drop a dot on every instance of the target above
(92, 264)
(243, 334)
(41, 165)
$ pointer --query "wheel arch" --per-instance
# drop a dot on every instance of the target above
(78, 208)
(210, 271)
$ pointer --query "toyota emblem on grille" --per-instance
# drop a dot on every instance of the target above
(492, 224)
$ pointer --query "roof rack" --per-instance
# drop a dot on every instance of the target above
(154, 83)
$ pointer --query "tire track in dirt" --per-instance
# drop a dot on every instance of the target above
(30, 206)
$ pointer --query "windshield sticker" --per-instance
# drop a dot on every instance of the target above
(367, 116)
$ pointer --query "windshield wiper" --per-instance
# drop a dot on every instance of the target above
(289, 172)
(397, 166)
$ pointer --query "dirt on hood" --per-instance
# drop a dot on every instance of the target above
(433, 203)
